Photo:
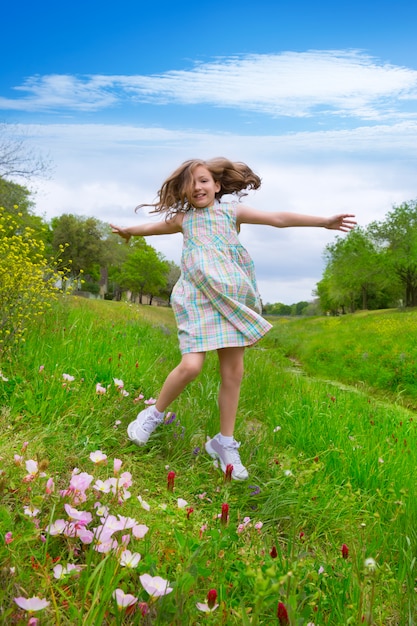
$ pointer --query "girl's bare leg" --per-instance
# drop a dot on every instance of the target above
(231, 374)
(189, 368)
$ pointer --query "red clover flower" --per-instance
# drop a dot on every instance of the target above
(282, 614)
(345, 551)
(211, 598)
(228, 473)
(224, 517)
(171, 479)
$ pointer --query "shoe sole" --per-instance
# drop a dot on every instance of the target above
(215, 455)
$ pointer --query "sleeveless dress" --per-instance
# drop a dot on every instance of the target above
(215, 301)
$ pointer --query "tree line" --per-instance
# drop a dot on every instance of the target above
(96, 260)
(371, 267)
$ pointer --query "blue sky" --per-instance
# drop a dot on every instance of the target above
(319, 98)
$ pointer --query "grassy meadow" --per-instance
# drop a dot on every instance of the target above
(94, 530)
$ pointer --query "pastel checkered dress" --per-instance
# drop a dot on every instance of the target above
(215, 301)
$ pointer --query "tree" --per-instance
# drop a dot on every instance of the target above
(331, 300)
(299, 308)
(355, 270)
(83, 242)
(17, 202)
(172, 277)
(16, 158)
(397, 235)
(144, 271)
(277, 309)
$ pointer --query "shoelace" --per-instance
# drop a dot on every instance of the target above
(150, 423)
(233, 449)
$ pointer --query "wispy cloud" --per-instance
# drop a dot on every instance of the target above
(290, 84)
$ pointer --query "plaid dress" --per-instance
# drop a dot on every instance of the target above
(216, 301)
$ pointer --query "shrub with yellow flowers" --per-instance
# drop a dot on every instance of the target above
(29, 281)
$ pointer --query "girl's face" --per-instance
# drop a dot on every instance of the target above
(204, 188)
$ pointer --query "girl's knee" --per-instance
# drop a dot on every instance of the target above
(190, 368)
(232, 375)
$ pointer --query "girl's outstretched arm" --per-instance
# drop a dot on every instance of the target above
(248, 215)
(163, 227)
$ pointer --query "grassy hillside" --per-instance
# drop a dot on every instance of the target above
(375, 350)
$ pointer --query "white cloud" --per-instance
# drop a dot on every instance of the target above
(290, 84)
(105, 171)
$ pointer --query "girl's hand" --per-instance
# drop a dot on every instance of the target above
(121, 232)
(341, 222)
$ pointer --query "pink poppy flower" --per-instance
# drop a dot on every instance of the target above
(117, 464)
(104, 486)
(125, 479)
(81, 482)
(32, 467)
(126, 522)
(144, 504)
(139, 531)
(123, 599)
(31, 604)
(8, 537)
(98, 457)
(31, 510)
(86, 536)
(61, 572)
(155, 585)
(129, 559)
(111, 524)
(106, 546)
(57, 527)
(81, 517)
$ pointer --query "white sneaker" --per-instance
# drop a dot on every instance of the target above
(143, 426)
(227, 455)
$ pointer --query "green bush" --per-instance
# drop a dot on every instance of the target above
(28, 281)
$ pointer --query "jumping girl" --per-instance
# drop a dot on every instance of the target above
(215, 301)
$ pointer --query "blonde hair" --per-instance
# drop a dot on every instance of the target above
(233, 177)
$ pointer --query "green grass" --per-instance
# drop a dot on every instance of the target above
(373, 350)
(329, 465)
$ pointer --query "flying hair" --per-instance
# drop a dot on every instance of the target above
(234, 178)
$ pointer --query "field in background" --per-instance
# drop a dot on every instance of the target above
(373, 350)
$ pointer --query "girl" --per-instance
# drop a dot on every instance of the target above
(215, 301)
